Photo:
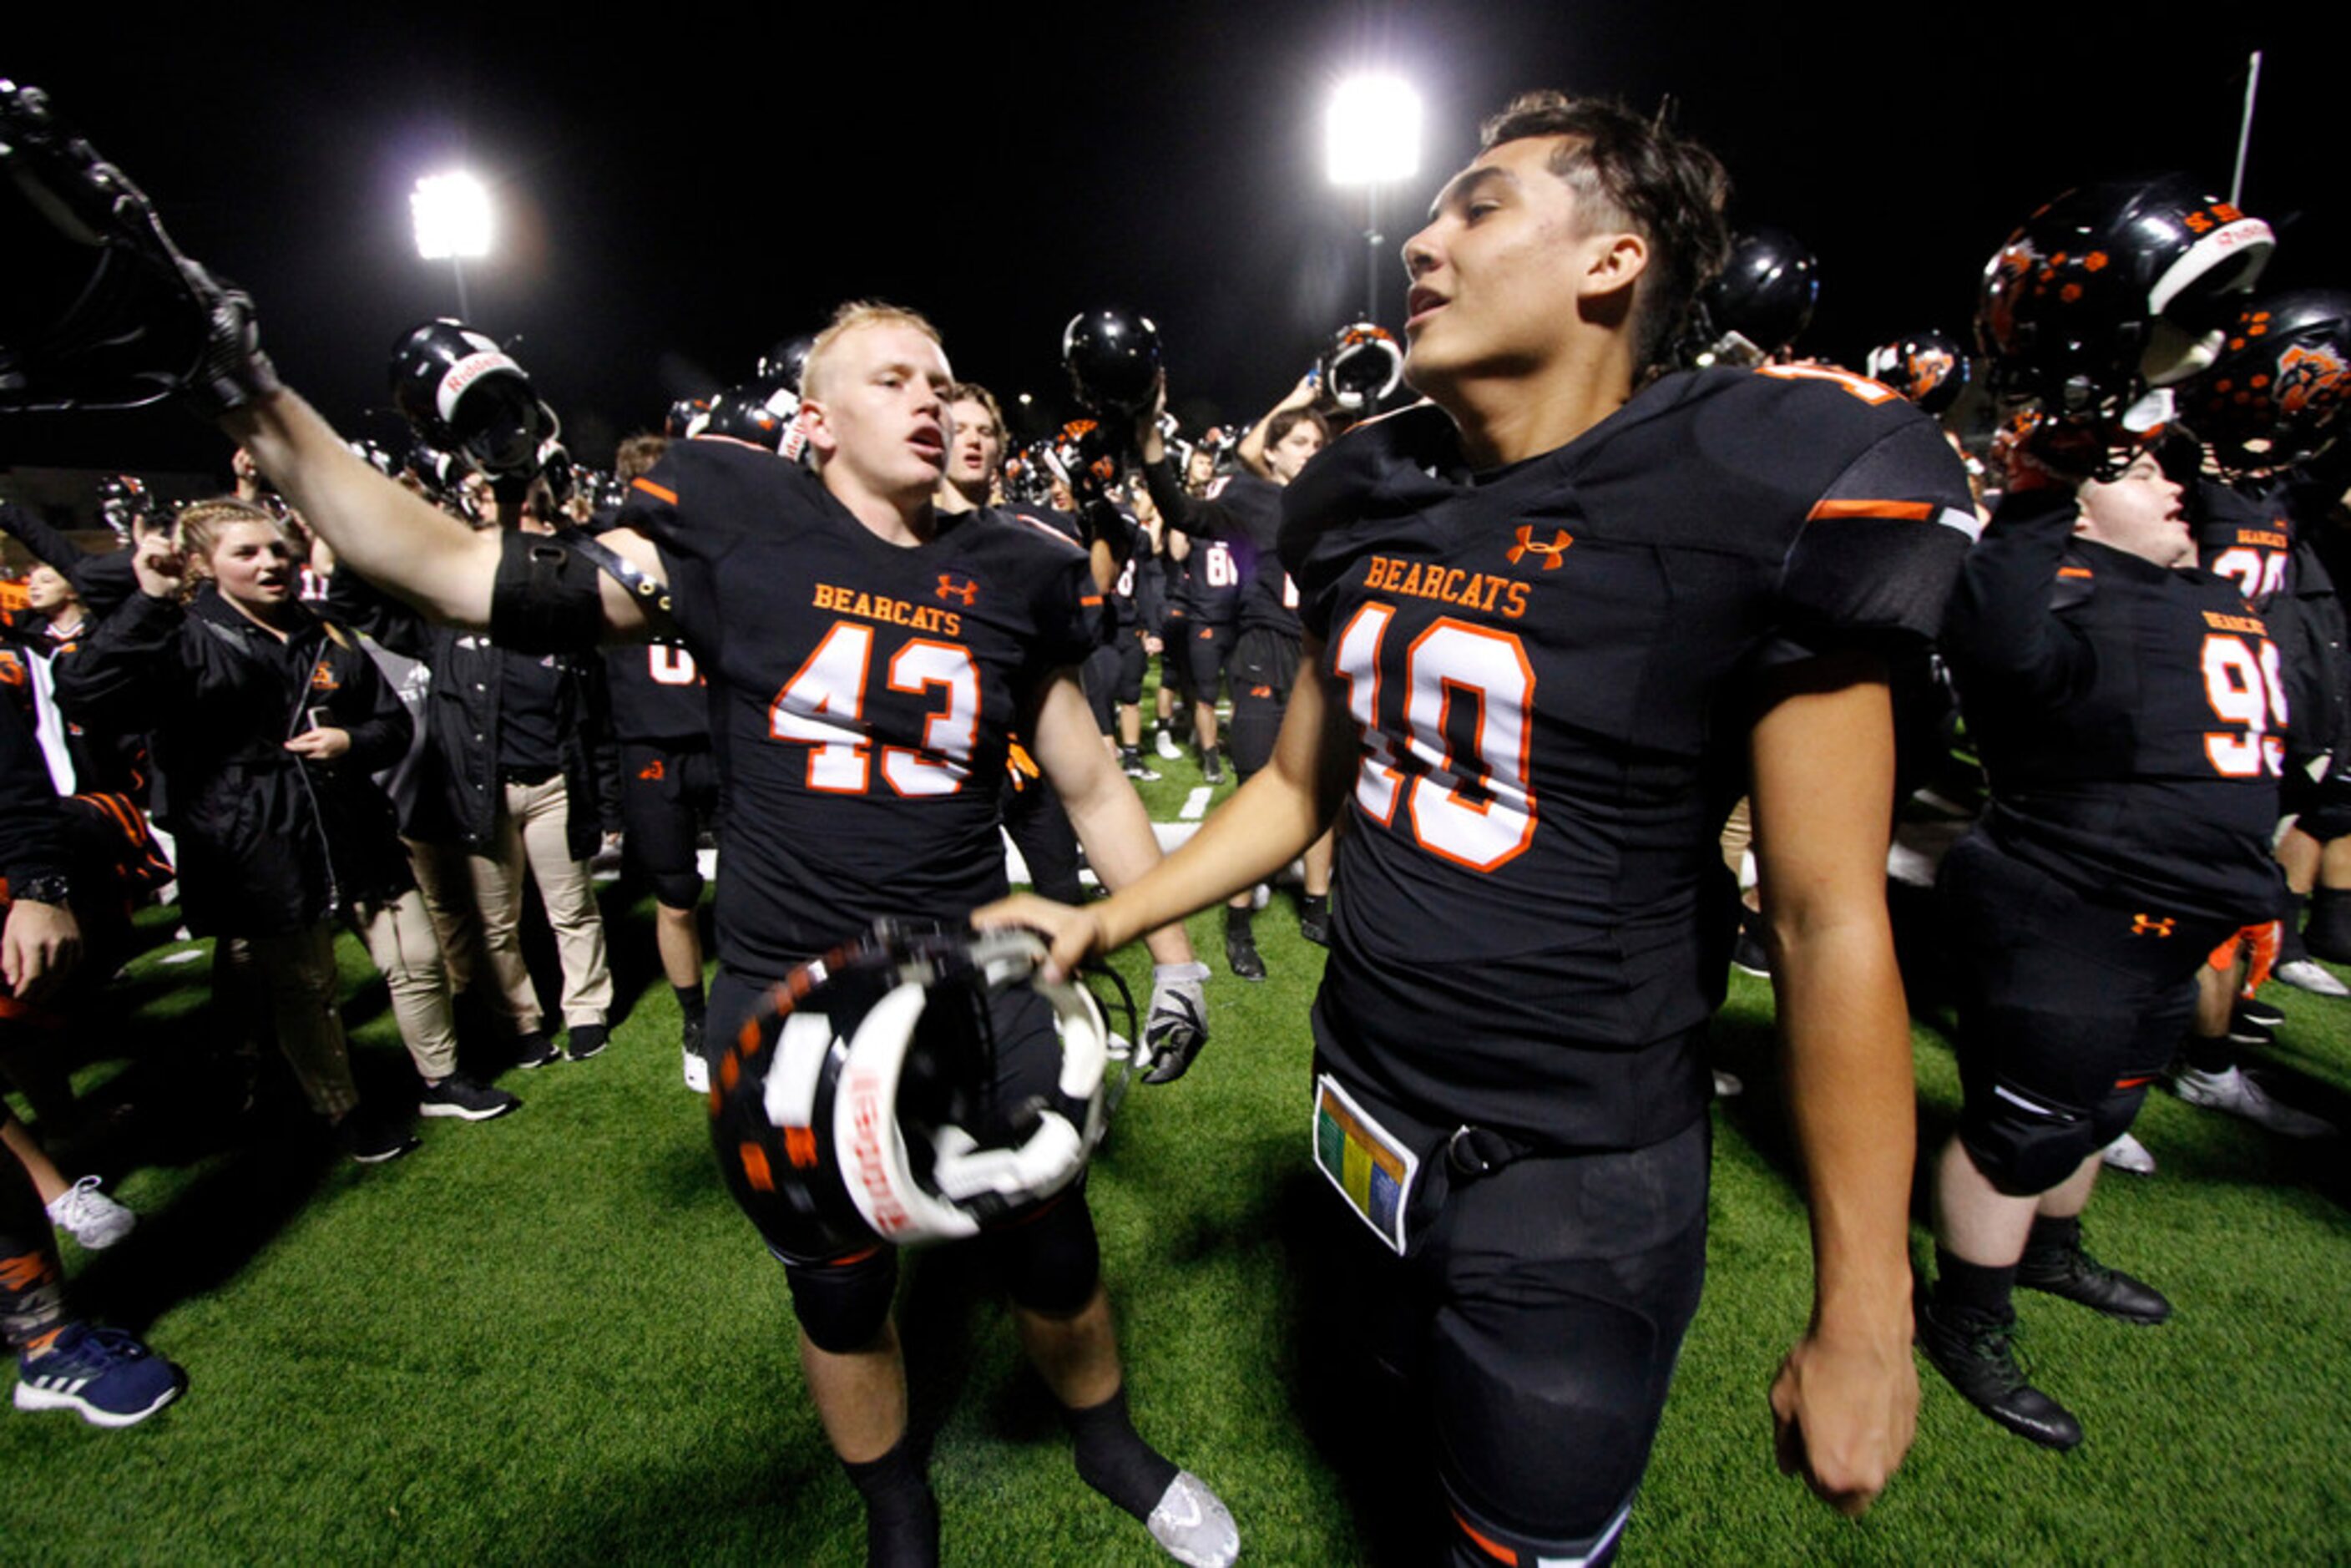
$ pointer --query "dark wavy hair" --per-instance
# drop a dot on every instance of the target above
(1640, 174)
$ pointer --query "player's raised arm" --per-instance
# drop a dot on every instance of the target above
(390, 536)
(1846, 1401)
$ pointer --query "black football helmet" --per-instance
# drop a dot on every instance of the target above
(2113, 289)
(439, 472)
(1929, 367)
(1362, 368)
(686, 417)
(1085, 456)
(1027, 476)
(763, 412)
(463, 393)
(1759, 303)
(2276, 393)
(1112, 358)
(858, 1105)
(785, 361)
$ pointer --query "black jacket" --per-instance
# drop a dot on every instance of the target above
(459, 793)
(268, 842)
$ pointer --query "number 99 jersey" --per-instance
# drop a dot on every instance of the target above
(2131, 717)
(863, 691)
(1548, 666)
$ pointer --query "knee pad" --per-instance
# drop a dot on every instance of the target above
(1543, 1439)
(1052, 1258)
(842, 1304)
(2024, 1146)
(677, 889)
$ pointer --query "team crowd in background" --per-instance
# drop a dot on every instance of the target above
(838, 631)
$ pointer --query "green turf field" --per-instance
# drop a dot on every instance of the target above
(551, 1338)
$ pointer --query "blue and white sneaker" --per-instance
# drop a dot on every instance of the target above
(105, 1373)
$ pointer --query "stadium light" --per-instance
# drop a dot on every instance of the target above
(1373, 132)
(453, 222)
(1372, 138)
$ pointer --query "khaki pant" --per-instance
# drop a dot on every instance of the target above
(400, 937)
(532, 827)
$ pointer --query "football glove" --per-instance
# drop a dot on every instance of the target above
(108, 314)
(1178, 1026)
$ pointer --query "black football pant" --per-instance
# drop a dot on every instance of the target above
(1264, 665)
(1542, 1311)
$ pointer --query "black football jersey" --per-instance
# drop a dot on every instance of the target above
(862, 691)
(658, 695)
(2244, 532)
(1242, 513)
(2131, 717)
(1548, 664)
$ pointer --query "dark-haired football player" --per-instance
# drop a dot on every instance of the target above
(1553, 618)
(2130, 711)
(1243, 513)
(869, 658)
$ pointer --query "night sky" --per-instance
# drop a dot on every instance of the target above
(676, 198)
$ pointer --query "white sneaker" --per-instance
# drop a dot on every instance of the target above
(1192, 1526)
(2239, 1095)
(2127, 1154)
(697, 1071)
(1727, 1085)
(93, 1219)
(2310, 975)
(1165, 744)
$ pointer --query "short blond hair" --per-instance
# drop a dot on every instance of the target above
(850, 316)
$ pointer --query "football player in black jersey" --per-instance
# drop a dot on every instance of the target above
(669, 788)
(1033, 817)
(869, 658)
(2130, 710)
(1551, 618)
(1243, 513)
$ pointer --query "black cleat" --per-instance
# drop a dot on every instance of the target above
(2253, 1009)
(2073, 1273)
(587, 1039)
(1212, 768)
(1241, 954)
(1314, 919)
(1976, 1355)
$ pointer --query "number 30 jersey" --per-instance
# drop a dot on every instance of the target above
(861, 692)
(1549, 667)
(2131, 717)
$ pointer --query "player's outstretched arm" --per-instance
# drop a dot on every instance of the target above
(1251, 451)
(1268, 823)
(392, 536)
(1847, 1400)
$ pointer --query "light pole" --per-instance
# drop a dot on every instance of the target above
(453, 222)
(1372, 137)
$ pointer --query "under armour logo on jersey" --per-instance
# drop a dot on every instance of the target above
(967, 590)
(2152, 925)
(1550, 552)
